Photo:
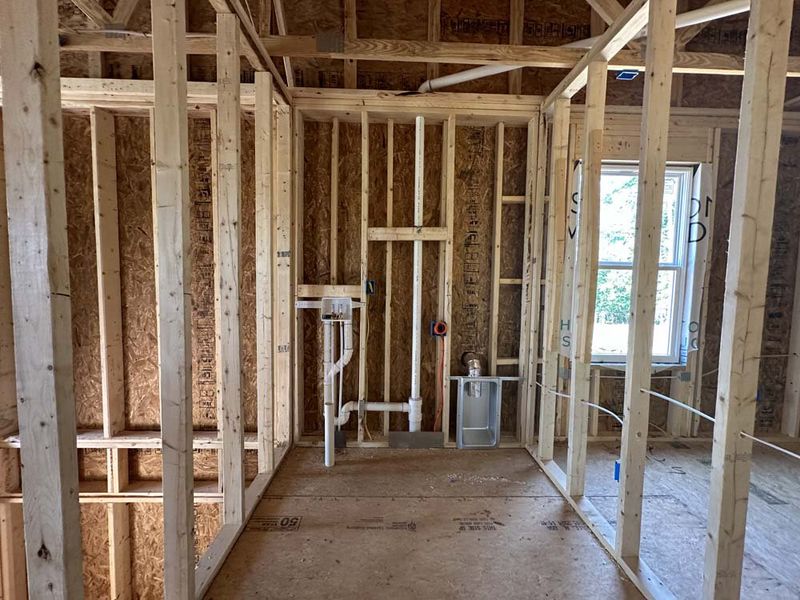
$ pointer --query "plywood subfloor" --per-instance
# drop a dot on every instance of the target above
(416, 524)
(675, 510)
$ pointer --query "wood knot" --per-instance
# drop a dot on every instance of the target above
(37, 72)
(43, 552)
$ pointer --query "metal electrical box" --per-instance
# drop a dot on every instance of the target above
(478, 417)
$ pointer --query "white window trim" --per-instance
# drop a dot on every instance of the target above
(684, 267)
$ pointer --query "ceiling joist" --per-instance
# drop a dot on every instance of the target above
(280, 23)
(97, 14)
(709, 63)
(123, 12)
(610, 11)
(629, 23)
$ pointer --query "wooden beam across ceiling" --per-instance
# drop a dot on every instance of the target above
(687, 34)
(280, 23)
(609, 11)
(629, 23)
(296, 46)
(97, 14)
(123, 12)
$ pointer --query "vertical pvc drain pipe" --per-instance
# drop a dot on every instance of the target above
(327, 360)
(415, 401)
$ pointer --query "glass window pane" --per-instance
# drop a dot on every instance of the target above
(619, 189)
(662, 332)
(612, 310)
(618, 193)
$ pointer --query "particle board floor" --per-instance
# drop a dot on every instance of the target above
(675, 510)
(416, 524)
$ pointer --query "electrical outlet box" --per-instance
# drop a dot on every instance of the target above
(337, 309)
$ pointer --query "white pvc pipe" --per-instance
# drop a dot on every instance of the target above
(352, 406)
(327, 394)
(687, 19)
(414, 400)
(444, 81)
(330, 370)
(692, 17)
(340, 393)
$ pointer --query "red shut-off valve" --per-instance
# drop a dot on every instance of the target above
(438, 328)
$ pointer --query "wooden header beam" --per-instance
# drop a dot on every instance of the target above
(629, 23)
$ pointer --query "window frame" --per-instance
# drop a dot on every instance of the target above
(680, 265)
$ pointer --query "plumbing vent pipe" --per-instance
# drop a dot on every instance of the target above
(473, 364)
(692, 17)
(415, 400)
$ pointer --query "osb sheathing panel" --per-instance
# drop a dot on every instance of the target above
(147, 543)
(82, 272)
(146, 464)
(780, 284)
(204, 377)
(94, 550)
(138, 277)
(147, 549)
(247, 278)
(139, 319)
(474, 204)
(139, 342)
(316, 261)
(92, 465)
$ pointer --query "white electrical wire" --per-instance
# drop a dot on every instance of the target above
(605, 410)
(679, 403)
(769, 445)
(555, 393)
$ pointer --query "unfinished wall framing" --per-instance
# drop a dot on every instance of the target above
(110, 227)
(183, 227)
(478, 173)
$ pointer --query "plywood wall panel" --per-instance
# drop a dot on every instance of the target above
(204, 374)
(82, 272)
(94, 548)
(247, 274)
(140, 351)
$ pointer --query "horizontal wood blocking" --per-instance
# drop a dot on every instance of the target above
(306, 290)
(96, 492)
(507, 361)
(407, 234)
(139, 439)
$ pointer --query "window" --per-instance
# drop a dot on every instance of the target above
(619, 186)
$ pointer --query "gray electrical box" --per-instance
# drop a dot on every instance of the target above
(337, 309)
(478, 417)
